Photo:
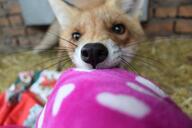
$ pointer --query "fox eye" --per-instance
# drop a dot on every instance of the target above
(76, 36)
(118, 28)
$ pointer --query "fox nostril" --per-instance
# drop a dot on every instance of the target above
(94, 53)
(102, 53)
(85, 53)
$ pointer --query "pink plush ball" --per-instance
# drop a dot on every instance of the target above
(111, 98)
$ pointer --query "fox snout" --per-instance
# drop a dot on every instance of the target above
(94, 53)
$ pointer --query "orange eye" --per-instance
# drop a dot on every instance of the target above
(76, 36)
(118, 28)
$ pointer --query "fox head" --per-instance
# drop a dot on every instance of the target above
(99, 36)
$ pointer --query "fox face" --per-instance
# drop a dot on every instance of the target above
(100, 36)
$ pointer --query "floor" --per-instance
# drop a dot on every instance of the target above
(165, 61)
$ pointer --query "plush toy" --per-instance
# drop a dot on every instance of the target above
(111, 98)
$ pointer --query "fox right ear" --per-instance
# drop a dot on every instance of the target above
(131, 7)
(64, 11)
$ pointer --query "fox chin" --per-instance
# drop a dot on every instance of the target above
(103, 35)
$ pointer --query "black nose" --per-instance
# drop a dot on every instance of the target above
(94, 53)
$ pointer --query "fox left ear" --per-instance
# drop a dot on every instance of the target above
(132, 7)
(64, 11)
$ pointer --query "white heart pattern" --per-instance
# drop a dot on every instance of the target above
(124, 104)
(140, 89)
(62, 93)
(151, 85)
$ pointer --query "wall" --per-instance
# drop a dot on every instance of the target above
(169, 17)
(12, 29)
(166, 17)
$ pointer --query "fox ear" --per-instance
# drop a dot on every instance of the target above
(64, 11)
(132, 7)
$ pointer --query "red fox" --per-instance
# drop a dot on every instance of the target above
(101, 35)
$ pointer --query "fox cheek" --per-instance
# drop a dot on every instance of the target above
(122, 40)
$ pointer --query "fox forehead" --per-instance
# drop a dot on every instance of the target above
(95, 24)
